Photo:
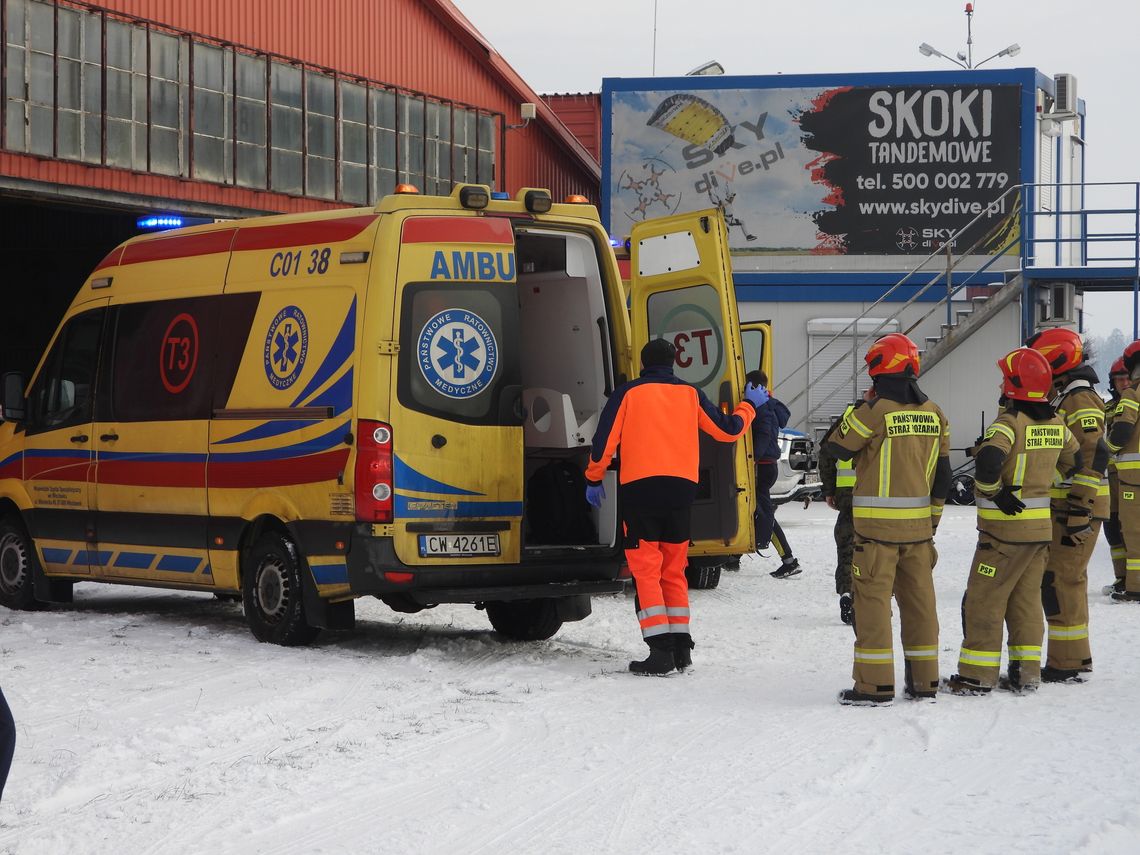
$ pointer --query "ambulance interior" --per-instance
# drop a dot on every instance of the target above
(567, 373)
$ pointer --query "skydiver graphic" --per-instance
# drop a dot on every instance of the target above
(663, 198)
(642, 206)
(724, 200)
(633, 185)
(654, 176)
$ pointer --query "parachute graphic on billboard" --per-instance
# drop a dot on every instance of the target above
(694, 120)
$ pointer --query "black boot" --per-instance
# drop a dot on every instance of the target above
(956, 684)
(855, 698)
(1049, 674)
(660, 660)
(682, 650)
(787, 569)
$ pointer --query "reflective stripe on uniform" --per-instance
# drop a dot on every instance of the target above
(1130, 404)
(1086, 481)
(844, 473)
(857, 426)
(1077, 415)
(1103, 488)
(936, 510)
(1117, 552)
(874, 655)
(1019, 471)
(885, 468)
(1035, 509)
(1004, 430)
(1132, 563)
(1025, 653)
(1128, 461)
(987, 487)
(982, 658)
(1068, 633)
(678, 617)
(659, 629)
(652, 611)
(921, 651)
(890, 507)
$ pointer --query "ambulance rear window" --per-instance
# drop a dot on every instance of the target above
(461, 359)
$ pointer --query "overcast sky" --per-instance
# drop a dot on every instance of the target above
(1095, 40)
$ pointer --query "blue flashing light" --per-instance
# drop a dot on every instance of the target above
(615, 242)
(159, 222)
(499, 194)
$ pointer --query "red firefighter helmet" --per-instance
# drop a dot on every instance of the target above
(1118, 368)
(1026, 375)
(1131, 356)
(893, 354)
(1061, 348)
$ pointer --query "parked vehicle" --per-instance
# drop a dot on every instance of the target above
(398, 402)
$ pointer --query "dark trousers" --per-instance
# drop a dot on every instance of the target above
(768, 531)
(7, 741)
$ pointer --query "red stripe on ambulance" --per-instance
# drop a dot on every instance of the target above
(458, 230)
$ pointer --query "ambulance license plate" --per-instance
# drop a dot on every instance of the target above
(458, 545)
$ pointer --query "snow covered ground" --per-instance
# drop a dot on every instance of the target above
(153, 722)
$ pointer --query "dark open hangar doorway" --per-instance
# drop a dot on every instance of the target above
(48, 250)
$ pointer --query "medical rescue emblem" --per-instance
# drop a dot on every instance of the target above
(286, 346)
(457, 353)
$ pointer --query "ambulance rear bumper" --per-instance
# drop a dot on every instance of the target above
(372, 558)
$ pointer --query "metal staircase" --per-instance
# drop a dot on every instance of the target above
(1047, 245)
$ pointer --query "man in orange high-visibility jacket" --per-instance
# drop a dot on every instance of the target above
(657, 420)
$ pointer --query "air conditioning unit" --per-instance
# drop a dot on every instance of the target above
(1065, 94)
(1058, 305)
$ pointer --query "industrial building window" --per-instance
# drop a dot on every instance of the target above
(383, 142)
(410, 141)
(89, 84)
(30, 76)
(320, 135)
(287, 129)
(437, 168)
(464, 151)
(213, 113)
(250, 126)
(353, 142)
(126, 96)
(80, 85)
(167, 96)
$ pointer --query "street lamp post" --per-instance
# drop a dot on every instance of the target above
(966, 60)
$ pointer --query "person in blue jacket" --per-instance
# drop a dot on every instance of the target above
(7, 741)
(770, 417)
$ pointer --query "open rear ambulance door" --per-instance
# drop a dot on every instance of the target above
(681, 289)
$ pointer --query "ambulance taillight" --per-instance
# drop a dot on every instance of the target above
(373, 472)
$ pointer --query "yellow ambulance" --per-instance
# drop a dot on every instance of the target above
(397, 402)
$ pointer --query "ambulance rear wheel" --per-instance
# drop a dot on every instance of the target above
(703, 578)
(272, 595)
(525, 620)
(18, 566)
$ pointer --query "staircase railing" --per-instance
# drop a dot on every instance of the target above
(858, 340)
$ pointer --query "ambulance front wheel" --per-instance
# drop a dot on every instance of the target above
(272, 594)
(525, 620)
(18, 565)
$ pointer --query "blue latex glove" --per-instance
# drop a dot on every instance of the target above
(594, 494)
(756, 395)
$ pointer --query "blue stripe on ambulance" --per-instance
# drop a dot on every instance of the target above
(178, 563)
(56, 556)
(339, 353)
(329, 574)
(135, 560)
(410, 481)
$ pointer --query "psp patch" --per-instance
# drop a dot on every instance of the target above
(286, 346)
(457, 353)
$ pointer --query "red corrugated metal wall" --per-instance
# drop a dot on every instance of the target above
(582, 116)
(407, 43)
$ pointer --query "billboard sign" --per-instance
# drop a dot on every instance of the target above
(828, 170)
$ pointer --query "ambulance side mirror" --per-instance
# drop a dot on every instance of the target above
(15, 405)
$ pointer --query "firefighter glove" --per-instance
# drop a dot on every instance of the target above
(1008, 502)
(757, 396)
(594, 494)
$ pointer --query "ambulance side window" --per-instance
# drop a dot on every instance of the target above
(690, 319)
(64, 391)
(461, 361)
(162, 361)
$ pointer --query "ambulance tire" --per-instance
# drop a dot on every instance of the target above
(703, 578)
(272, 594)
(19, 565)
(525, 620)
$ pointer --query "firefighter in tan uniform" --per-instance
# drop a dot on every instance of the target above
(900, 441)
(1124, 441)
(1080, 505)
(1014, 468)
(1118, 382)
